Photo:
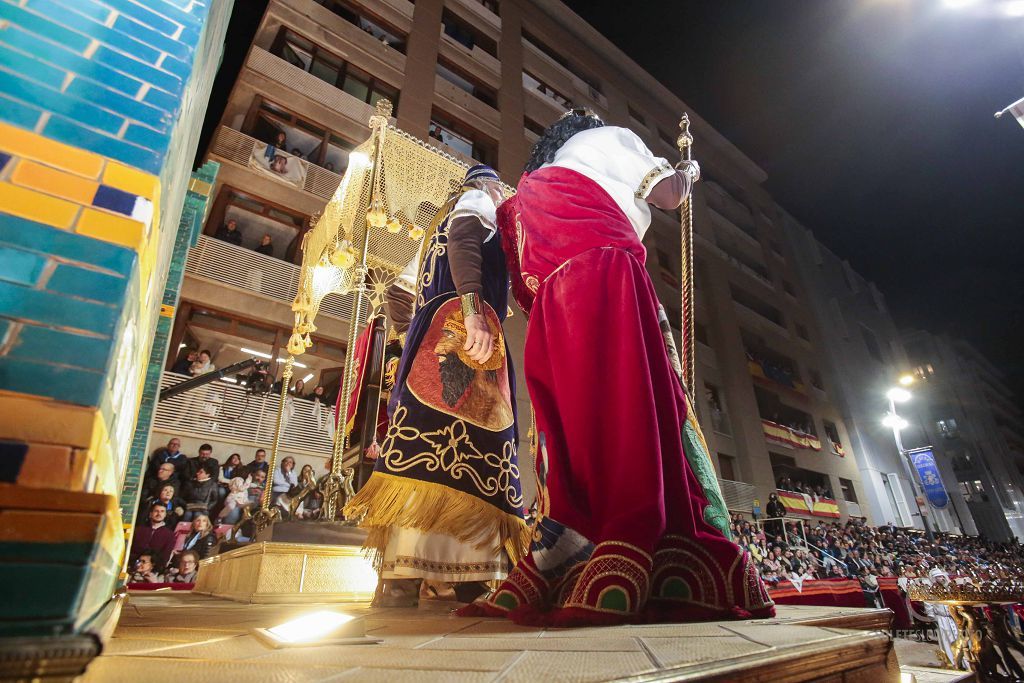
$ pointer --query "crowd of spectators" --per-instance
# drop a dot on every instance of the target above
(784, 551)
(796, 486)
(200, 494)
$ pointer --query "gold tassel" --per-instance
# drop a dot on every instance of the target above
(387, 500)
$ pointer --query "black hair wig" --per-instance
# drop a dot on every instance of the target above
(557, 134)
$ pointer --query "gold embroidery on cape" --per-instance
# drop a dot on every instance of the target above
(453, 452)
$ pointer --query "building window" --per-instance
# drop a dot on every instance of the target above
(492, 5)
(267, 121)
(533, 126)
(727, 467)
(816, 380)
(255, 218)
(463, 139)
(716, 404)
(948, 428)
(461, 79)
(669, 140)
(847, 490)
(776, 247)
(332, 69)
(752, 303)
(801, 331)
(593, 85)
(371, 24)
(531, 82)
(787, 287)
(467, 35)
(871, 343)
(636, 116)
(832, 432)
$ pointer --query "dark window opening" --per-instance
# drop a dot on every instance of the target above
(369, 23)
(727, 467)
(267, 121)
(461, 79)
(463, 139)
(332, 69)
(467, 35)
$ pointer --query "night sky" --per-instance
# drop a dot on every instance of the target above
(873, 120)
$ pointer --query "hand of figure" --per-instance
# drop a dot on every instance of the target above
(690, 168)
(479, 340)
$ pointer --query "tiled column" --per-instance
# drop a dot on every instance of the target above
(101, 103)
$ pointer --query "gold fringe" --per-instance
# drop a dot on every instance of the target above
(386, 501)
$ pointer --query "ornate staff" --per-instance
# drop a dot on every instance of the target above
(685, 144)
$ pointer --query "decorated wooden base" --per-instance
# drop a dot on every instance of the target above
(275, 572)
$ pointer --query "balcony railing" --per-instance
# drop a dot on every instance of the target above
(236, 146)
(739, 496)
(222, 411)
(240, 268)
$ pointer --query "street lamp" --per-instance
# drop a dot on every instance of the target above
(897, 424)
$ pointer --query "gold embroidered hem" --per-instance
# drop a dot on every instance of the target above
(438, 557)
(387, 502)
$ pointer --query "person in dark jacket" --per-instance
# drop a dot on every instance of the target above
(153, 536)
(774, 509)
(204, 460)
(201, 495)
(229, 232)
(266, 246)
(166, 496)
(170, 453)
(201, 539)
(166, 474)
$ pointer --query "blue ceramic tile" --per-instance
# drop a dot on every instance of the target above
(72, 385)
(88, 284)
(64, 58)
(43, 27)
(18, 113)
(31, 68)
(54, 101)
(62, 130)
(137, 69)
(20, 266)
(50, 308)
(147, 137)
(153, 39)
(125, 106)
(44, 239)
(113, 199)
(140, 13)
(42, 344)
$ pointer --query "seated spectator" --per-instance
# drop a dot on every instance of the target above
(229, 232)
(201, 495)
(166, 475)
(204, 460)
(284, 478)
(153, 537)
(182, 365)
(236, 501)
(231, 468)
(170, 453)
(259, 461)
(201, 539)
(266, 246)
(256, 486)
(168, 498)
(187, 569)
(144, 570)
(296, 152)
(202, 364)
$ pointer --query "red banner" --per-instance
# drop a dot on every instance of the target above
(788, 436)
(803, 504)
(823, 592)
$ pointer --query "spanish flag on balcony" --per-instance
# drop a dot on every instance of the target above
(789, 437)
(803, 504)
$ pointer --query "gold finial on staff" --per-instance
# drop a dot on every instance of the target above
(685, 144)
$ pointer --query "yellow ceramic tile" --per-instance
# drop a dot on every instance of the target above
(130, 180)
(39, 420)
(111, 228)
(23, 143)
(36, 206)
(51, 181)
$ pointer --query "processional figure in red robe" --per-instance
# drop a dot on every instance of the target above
(631, 525)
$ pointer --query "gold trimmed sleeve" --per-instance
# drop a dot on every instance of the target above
(651, 179)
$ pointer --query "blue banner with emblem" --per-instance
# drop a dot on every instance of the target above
(928, 470)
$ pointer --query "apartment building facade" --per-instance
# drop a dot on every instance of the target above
(968, 413)
(481, 79)
(864, 358)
